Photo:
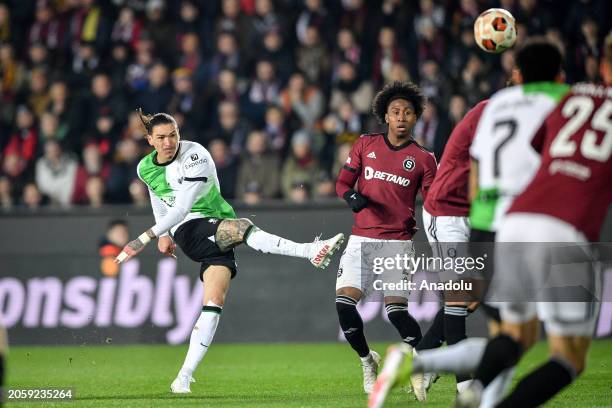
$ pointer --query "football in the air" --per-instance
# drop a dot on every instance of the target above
(495, 30)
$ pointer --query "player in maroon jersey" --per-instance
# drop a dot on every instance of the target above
(576, 147)
(445, 218)
(380, 181)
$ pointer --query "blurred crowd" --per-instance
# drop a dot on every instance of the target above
(277, 90)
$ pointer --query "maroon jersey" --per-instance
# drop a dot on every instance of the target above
(389, 177)
(574, 182)
(448, 195)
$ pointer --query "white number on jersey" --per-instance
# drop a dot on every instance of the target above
(578, 109)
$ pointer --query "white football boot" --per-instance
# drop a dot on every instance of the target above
(181, 383)
(470, 397)
(322, 250)
(370, 369)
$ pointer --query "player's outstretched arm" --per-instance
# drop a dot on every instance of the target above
(135, 247)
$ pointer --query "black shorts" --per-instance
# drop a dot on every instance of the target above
(193, 238)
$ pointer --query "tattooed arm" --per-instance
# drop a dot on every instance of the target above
(135, 247)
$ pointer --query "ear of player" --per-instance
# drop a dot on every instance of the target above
(356, 201)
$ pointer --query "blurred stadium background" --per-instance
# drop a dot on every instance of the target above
(277, 90)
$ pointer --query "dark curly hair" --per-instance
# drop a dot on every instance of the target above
(150, 121)
(397, 90)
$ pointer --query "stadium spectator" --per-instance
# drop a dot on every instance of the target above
(431, 42)
(64, 107)
(259, 168)
(103, 99)
(302, 103)
(273, 49)
(433, 83)
(190, 59)
(38, 96)
(47, 28)
(312, 56)
(118, 64)
(38, 57)
(156, 96)
(233, 20)
(474, 83)
(123, 171)
(23, 143)
(227, 167)
(5, 24)
(349, 88)
(232, 128)
(55, 174)
(139, 194)
(457, 108)
(265, 21)
(12, 71)
(116, 236)
(183, 98)
(85, 63)
(276, 130)
(160, 30)
(127, 28)
(32, 198)
(137, 74)
(95, 191)
(227, 56)
(93, 165)
(225, 88)
(50, 128)
(433, 129)
(301, 168)
(346, 49)
(264, 90)
(6, 193)
(313, 15)
(387, 53)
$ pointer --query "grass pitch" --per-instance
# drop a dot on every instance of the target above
(239, 375)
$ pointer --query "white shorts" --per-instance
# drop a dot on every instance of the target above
(362, 254)
(448, 236)
(446, 228)
(532, 272)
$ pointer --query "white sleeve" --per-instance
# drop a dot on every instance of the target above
(198, 180)
(159, 210)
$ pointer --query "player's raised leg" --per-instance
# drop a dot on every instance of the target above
(216, 281)
(233, 232)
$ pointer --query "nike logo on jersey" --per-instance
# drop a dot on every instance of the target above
(370, 174)
(372, 155)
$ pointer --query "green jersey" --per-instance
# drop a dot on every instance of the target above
(183, 189)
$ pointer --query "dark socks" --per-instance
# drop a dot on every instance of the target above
(406, 325)
(351, 324)
(434, 337)
(454, 329)
(541, 385)
(502, 352)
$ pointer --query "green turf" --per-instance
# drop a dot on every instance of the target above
(238, 375)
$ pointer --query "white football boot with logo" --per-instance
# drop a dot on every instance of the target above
(322, 250)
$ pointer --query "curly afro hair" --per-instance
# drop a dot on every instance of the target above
(397, 90)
